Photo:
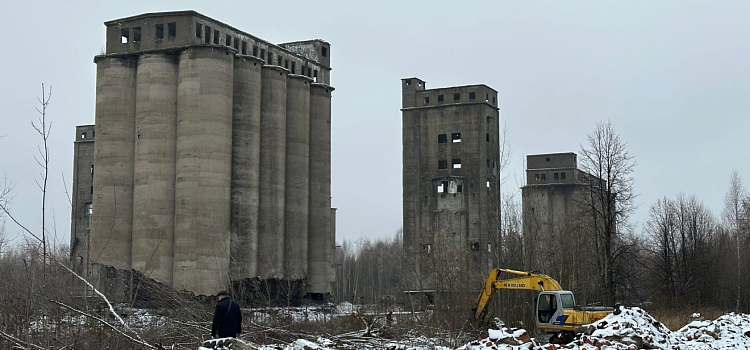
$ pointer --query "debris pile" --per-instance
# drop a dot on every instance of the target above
(632, 327)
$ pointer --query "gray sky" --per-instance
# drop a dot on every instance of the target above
(671, 76)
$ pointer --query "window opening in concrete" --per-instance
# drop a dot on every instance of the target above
(562, 175)
(228, 40)
(488, 163)
(255, 51)
(547, 159)
(489, 247)
(489, 119)
(488, 183)
(456, 97)
(92, 189)
(270, 57)
(198, 30)
(472, 96)
(278, 60)
(89, 208)
(557, 176)
(125, 35)
(475, 246)
(286, 64)
(459, 188)
(442, 164)
(83, 135)
(443, 138)
(536, 177)
(440, 188)
(159, 31)
(440, 98)
(543, 177)
(324, 51)
(427, 248)
(244, 47)
(493, 164)
(315, 75)
(217, 37)
(171, 29)
(456, 137)
(92, 169)
(293, 68)
(427, 100)
(487, 98)
(493, 100)
(136, 34)
(487, 137)
(407, 82)
(303, 70)
(93, 133)
(532, 210)
(456, 163)
(207, 38)
(263, 54)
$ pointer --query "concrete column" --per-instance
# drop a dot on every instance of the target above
(272, 172)
(320, 253)
(245, 164)
(113, 155)
(153, 192)
(203, 169)
(297, 176)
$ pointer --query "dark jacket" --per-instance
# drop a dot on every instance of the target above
(227, 319)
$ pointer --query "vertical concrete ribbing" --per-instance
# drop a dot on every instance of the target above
(272, 172)
(113, 155)
(297, 176)
(203, 169)
(319, 249)
(153, 191)
(245, 163)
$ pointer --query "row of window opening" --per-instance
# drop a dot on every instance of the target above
(543, 176)
(475, 247)
(126, 36)
(457, 97)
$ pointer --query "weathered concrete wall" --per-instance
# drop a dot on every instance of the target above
(320, 253)
(113, 157)
(245, 167)
(82, 193)
(203, 169)
(297, 176)
(154, 172)
(272, 172)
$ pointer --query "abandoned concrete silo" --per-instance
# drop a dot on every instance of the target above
(212, 159)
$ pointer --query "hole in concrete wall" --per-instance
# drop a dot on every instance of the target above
(493, 100)
(217, 35)
(228, 40)
(207, 38)
(475, 246)
(159, 31)
(427, 100)
(487, 98)
(293, 69)
(557, 176)
(278, 60)
(236, 44)
(92, 190)
(244, 48)
(407, 82)
(255, 51)
(562, 175)
(488, 163)
(456, 97)
(472, 96)
(286, 64)
(89, 208)
(125, 35)
(315, 75)
(443, 164)
(263, 54)
(324, 51)
(270, 57)
(443, 138)
(487, 136)
(456, 163)
(136, 34)
(427, 248)
(489, 119)
(303, 70)
(83, 135)
(488, 183)
(440, 98)
(460, 188)
(493, 164)
(489, 247)
(198, 30)
(456, 137)
(440, 188)
(172, 29)
(92, 169)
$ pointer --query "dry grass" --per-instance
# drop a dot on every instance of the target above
(675, 318)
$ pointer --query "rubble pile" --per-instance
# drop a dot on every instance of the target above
(632, 327)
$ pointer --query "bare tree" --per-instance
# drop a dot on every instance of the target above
(610, 198)
(733, 216)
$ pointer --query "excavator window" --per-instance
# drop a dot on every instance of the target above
(567, 301)
(547, 306)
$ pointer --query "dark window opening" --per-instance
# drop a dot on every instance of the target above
(456, 163)
(294, 70)
(324, 51)
(557, 176)
(489, 119)
(278, 60)
(172, 29)
(83, 135)
(562, 176)
(488, 184)
(136, 34)
(303, 70)
(207, 38)
(543, 177)
(443, 138)
(315, 75)
(198, 30)
(488, 163)
(442, 164)
(459, 188)
(493, 100)
(487, 98)
(244, 48)
(263, 54)
(92, 169)
(255, 51)
(217, 37)
(487, 136)
(456, 137)
(92, 189)
(125, 35)
(472, 96)
(493, 164)
(270, 57)
(456, 97)
(93, 133)
(440, 98)
(475, 246)
(427, 248)
(286, 64)
(159, 30)
(427, 100)
(547, 159)
(537, 177)
(228, 40)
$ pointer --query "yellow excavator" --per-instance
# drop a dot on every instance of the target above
(556, 311)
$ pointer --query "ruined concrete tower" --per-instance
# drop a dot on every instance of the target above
(450, 178)
(212, 156)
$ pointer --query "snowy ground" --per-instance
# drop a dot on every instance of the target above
(632, 329)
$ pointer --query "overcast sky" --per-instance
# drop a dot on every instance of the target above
(673, 77)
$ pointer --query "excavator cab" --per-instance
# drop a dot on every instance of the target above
(550, 306)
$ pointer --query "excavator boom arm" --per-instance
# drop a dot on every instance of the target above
(527, 281)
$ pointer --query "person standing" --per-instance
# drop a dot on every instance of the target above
(227, 317)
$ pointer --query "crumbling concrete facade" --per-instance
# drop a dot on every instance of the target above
(81, 198)
(451, 194)
(213, 155)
